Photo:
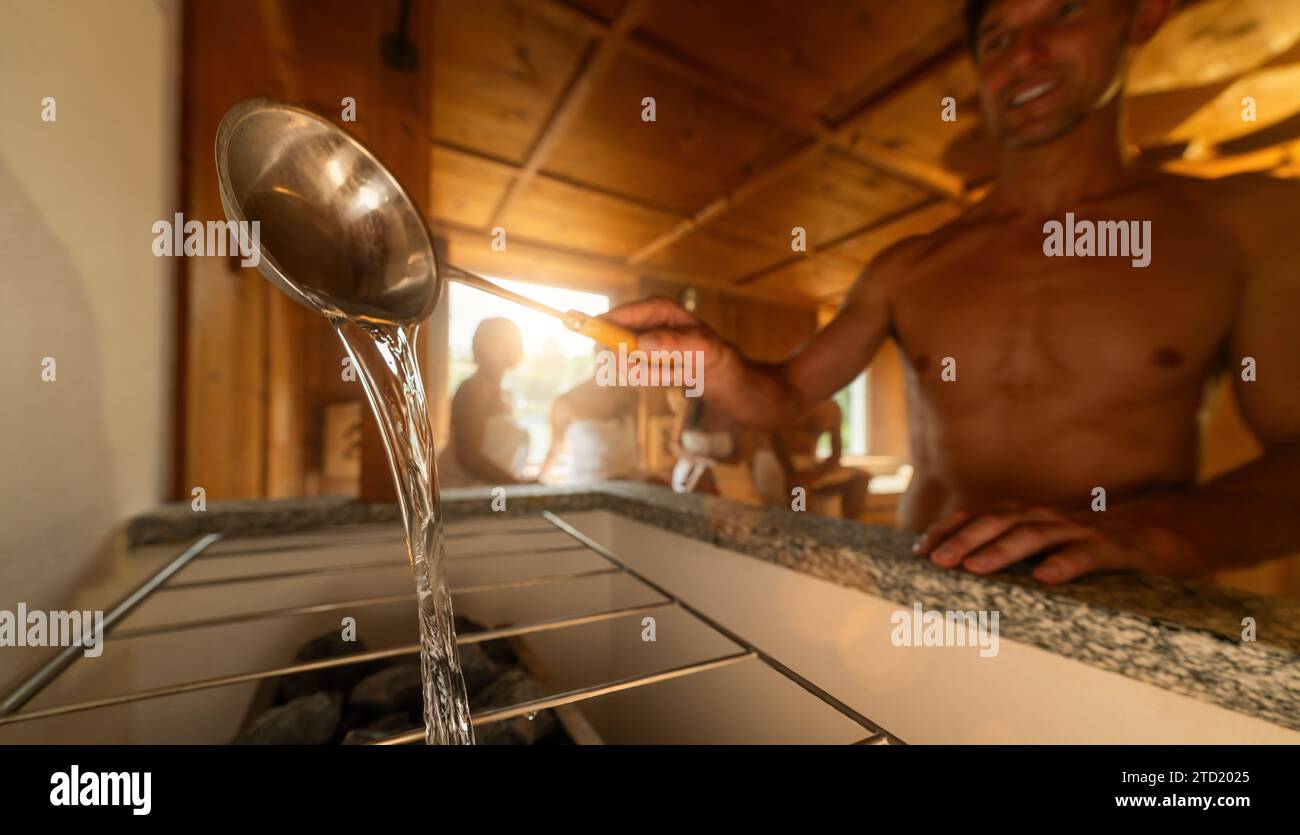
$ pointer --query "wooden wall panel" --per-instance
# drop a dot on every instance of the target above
(225, 326)
(286, 395)
(259, 369)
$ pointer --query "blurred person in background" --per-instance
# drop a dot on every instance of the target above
(791, 461)
(594, 428)
(486, 445)
(711, 450)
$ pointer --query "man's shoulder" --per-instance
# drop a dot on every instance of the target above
(902, 259)
(1252, 198)
(902, 256)
(1258, 213)
(472, 391)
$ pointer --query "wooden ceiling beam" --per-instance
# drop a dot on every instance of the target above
(595, 66)
(532, 260)
(816, 252)
(932, 178)
(837, 135)
(720, 204)
(900, 219)
(626, 199)
(730, 90)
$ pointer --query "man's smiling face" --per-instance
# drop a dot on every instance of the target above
(1044, 65)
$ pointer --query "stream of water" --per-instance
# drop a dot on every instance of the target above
(385, 357)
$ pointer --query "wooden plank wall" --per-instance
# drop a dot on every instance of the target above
(259, 369)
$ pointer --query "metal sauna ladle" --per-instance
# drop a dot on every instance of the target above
(338, 233)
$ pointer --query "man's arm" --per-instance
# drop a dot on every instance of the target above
(1252, 513)
(767, 396)
(788, 469)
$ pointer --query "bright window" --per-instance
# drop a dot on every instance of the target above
(555, 359)
(852, 400)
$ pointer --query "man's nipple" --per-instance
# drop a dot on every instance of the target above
(1163, 357)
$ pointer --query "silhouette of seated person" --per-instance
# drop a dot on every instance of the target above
(712, 451)
(486, 446)
(593, 431)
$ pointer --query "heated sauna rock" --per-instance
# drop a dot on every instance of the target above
(307, 720)
(389, 690)
(390, 725)
(498, 650)
(335, 679)
(512, 687)
(477, 667)
(363, 703)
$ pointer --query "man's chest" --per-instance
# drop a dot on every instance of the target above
(1000, 315)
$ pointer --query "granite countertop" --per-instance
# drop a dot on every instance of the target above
(1186, 637)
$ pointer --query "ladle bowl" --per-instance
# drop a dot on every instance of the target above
(337, 231)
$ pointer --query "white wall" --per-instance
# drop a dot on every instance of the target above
(79, 283)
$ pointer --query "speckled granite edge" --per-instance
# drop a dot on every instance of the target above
(1185, 637)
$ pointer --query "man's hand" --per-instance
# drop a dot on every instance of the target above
(662, 325)
(771, 395)
(1076, 543)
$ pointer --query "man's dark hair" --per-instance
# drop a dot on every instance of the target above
(975, 10)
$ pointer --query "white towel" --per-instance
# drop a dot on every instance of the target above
(600, 450)
(505, 443)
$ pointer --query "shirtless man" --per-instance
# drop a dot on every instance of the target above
(1072, 373)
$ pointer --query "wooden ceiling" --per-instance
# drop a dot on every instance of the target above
(771, 115)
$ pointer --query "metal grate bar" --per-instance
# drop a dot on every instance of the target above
(262, 614)
(28, 689)
(362, 567)
(209, 683)
(349, 568)
(329, 663)
(315, 545)
(582, 694)
(559, 623)
(508, 532)
(359, 603)
(372, 534)
(159, 582)
(528, 582)
(515, 552)
(767, 659)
